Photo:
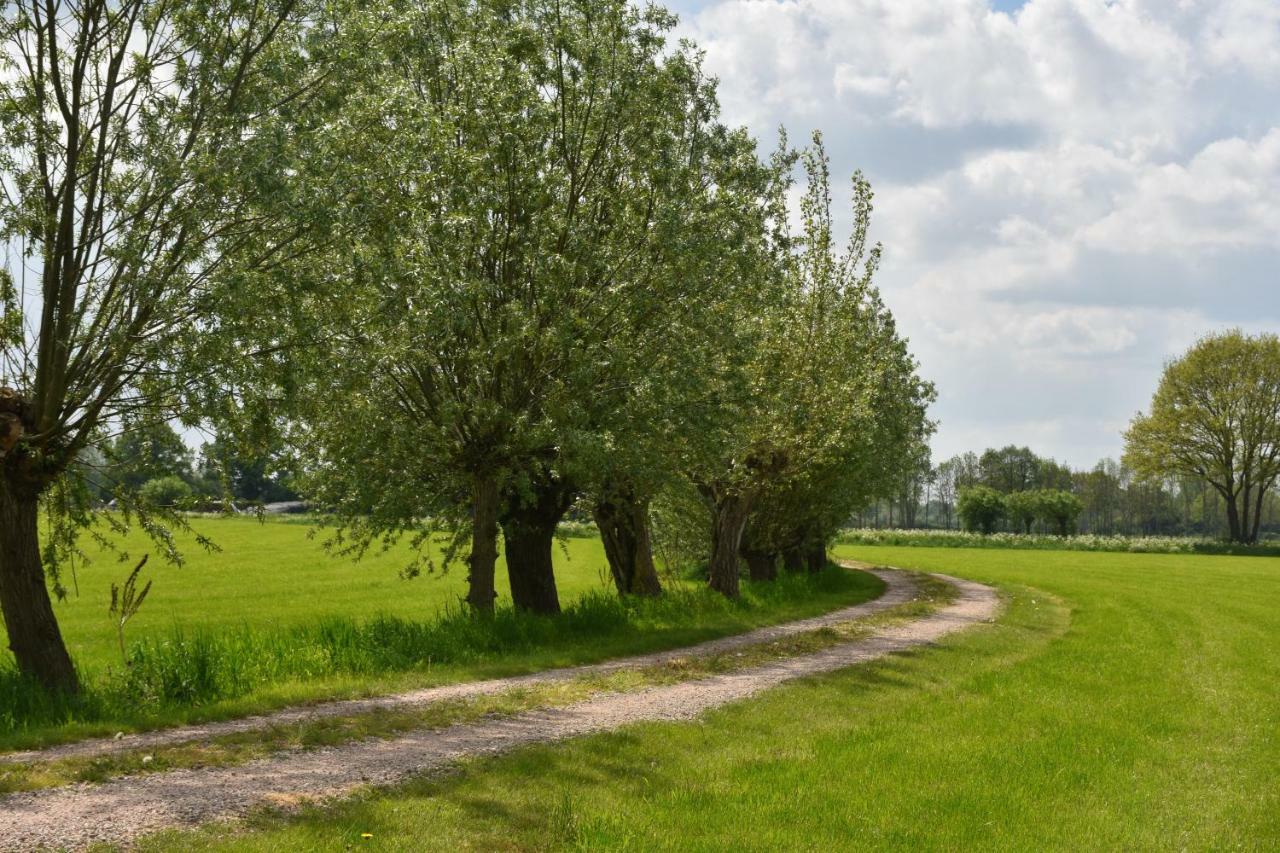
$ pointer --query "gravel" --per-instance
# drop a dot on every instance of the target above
(899, 589)
(119, 811)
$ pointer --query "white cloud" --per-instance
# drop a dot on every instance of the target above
(1067, 195)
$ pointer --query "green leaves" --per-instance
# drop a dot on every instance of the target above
(836, 394)
(1216, 416)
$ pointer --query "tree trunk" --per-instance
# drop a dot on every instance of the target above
(793, 559)
(1233, 518)
(529, 530)
(484, 546)
(32, 627)
(815, 558)
(1246, 497)
(729, 519)
(623, 522)
(1257, 517)
(761, 566)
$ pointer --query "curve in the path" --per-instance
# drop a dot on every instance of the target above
(118, 811)
(899, 589)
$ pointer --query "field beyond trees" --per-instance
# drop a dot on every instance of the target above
(270, 619)
(1122, 701)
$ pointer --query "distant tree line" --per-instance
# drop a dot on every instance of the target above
(1114, 498)
(1203, 461)
(153, 460)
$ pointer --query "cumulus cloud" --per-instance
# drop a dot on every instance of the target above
(1068, 193)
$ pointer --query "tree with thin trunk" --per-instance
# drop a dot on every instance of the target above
(1216, 416)
(130, 134)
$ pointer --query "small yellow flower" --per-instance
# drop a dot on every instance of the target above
(366, 835)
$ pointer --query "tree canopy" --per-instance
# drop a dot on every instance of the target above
(131, 135)
(446, 268)
(1216, 416)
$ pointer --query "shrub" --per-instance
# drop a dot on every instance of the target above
(166, 491)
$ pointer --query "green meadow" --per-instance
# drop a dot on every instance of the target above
(274, 573)
(1120, 702)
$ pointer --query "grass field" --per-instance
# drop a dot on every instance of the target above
(1123, 701)
(271, 620)
(272, 574)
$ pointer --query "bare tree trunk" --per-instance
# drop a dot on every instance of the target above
(529, 530)
(529, 565)
(793, 559)
(34, 637)
(623, 522)
(729, 519)
(484, 546)
(1246, 497)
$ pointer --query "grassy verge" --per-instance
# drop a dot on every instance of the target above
(200, 675)
(242, 747)
(1122, 701)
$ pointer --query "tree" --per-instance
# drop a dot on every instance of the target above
(981, 508)
(844, 417)
(131, 130)
(1010, 469)
(1216, 416)
(149, 451)
(1057, 507)
(1023, 508)
(544, 194)
(257, 475)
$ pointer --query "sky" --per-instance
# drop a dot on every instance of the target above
(1069, 192)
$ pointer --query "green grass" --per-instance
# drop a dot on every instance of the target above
(238, 748)
(271, 620)
(1123, 701)
(272, 574)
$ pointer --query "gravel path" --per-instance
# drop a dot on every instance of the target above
(120, 810)
(898, 590)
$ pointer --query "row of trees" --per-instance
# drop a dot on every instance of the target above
(473, 263)
(153, 458)
(1116, 501)
(1204, 460)
(982, 509)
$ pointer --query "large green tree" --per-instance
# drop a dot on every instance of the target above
(1216, 416)
(130, 132)
(838, 411)
(531, 195)
(148, 451)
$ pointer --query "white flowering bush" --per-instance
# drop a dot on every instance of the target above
(1081, 542)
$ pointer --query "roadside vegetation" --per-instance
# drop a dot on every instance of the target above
(445, 327)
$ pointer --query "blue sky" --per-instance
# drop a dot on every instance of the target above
(1067, 196)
